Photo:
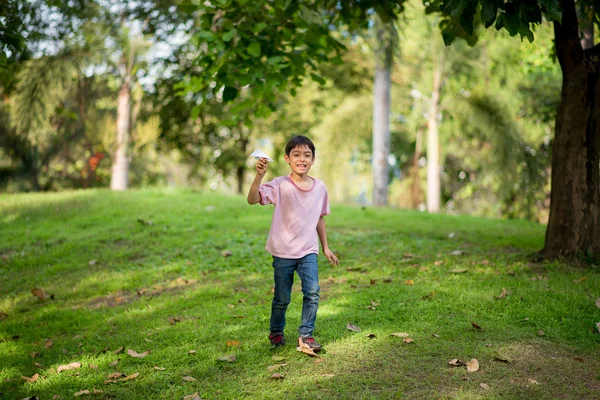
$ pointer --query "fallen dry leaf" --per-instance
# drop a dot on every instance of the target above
(116, 375)
(276, 366)
(458, 253)
(194, 396)
(73, 365)
(82, 393)
(159, 368)
(277, 358)
(39, 293)
(399, 334)
(38, 365)
(93, 366)
(130, 377)
(353, 328)
(533, 381)
(226, 253)
(56, 397)
(119, 350)
(192, 352)
(98, 391)
(579, 359)
(473, 365)
(435, 335)
(328, 375)
(502, 360)
(277, 376)
(484, 386)
(597, 304)
(92, 262)
(580, 280)
(230, 358)
(34, 354)
(189, 379)
(474, 325)
(409, 282)
(540, 333)
(455, 362)
(134, 354)
(48, 344)
(32, 379)
(408, 340)
(503, 294)
(598, 326)
(114, 363)
(304, 348)
(174, 320)
(371, 336)
(484, 262)
(438, 263)
(233, 343)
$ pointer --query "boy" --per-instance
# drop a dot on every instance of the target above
(297, 227)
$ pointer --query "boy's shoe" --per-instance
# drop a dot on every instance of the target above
(277, 339)
(311, 342)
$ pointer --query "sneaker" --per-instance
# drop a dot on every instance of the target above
(277, 339)
(311, 342)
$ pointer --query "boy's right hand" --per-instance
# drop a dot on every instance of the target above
(261, 166)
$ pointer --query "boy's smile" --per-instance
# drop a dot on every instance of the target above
(300, 159)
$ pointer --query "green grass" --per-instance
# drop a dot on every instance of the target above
(118, 280)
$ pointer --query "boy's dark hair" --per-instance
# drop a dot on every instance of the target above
(299, 140)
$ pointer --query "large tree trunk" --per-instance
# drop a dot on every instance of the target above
(120, 165)
(433, 143)
(381, 120)
(574, 223)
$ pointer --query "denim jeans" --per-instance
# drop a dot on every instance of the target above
(307, 269)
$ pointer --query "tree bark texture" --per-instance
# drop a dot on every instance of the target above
(433, 142)
(120, 165)
(381, 125)
(574, 224)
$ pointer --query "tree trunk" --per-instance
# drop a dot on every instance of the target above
(416, 193)
(120, 165)
(381, 127)
(35, 169)
(574, 224)
(433, 143)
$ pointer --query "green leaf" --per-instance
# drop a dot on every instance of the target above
(274, 60)
(489, 11)
(205, 36)
(195, 112)
(259, 27)
(317, 78)
(254, 49)
(229, 93)
(227, 36)
(551, 10)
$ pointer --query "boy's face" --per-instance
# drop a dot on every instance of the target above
(300, 159)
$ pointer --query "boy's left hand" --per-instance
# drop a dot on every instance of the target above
(331, 257)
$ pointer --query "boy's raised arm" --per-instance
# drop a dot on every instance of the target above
(261, 169)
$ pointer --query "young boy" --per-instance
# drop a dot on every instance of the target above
(300, 203)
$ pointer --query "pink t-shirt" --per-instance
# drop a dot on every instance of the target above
(293, 231)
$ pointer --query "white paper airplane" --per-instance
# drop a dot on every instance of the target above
(260, 154)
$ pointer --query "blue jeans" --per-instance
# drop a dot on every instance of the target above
(307, 269)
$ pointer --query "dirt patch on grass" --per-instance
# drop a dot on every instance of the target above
(123, 297)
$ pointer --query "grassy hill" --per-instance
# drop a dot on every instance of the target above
(149, 271)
